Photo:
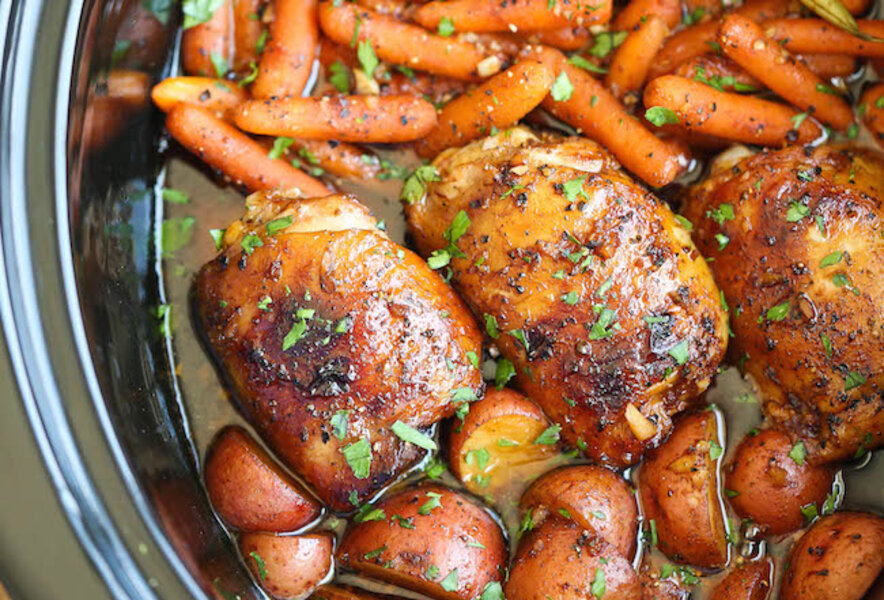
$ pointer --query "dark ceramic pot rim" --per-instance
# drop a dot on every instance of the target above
(42, 52)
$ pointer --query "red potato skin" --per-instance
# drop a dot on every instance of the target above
(749, 581)
(294, 565)
(346, 592)
(212, 37)
(771, 487)
(678, 486)
(840, 557)
(447, 537)
(596, 499)
(559, 559)
(250, 491)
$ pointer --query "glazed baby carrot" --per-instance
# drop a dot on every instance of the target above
(826, 66)
(856, 7)
(744, 42)
(587, 105)
(815, 36)
(218, 96)
(235, 154)
(699, 107)
(637, 10)
(494, 15)
(287, 60)
(326, 156)
(871, 106)
(632, 59)
(395, 8)
(247, 33)
(367, 119)
(720, 72)
(683, 46)
(498, 103)
(400, 43)
(435, 88)
(563, 38)
(206, 47)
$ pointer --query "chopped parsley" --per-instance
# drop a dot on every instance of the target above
(660, 115)
(409, 434)
(358, 456)
(798, 452)
(562, 88)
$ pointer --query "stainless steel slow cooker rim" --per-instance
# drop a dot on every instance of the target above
(23, 28)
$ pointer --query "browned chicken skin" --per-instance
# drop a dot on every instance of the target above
(602, 302)
(311, 310)
(800, 257)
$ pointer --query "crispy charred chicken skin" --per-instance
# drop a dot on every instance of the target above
(330, 333)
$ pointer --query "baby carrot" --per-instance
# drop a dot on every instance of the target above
(744, 42)
(591, 108)
(243, 160)
(815, 36)
(563, 38)
(206, 47)
(637, 11)
(699, 107)
(498, 103)
(494, 15)
(218, 96)
(683, 46)
(632, 59)
(337, 158)
(247, 32)
(286, 62)
(826, 66)
(367, 119)
(400, 43)
(719, 71)
(871, 105)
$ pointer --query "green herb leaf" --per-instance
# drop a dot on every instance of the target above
(854, 380)
(415, 186)
(339, 76)
(175, 234)
(660, 115)
(276, 225)
(505, 371)
(606, 41)
(579, 61)
(367, 58)
(433, 502)
(798, 452)
(173, 196)
(549, 436)
(562, 88)
(680, 352)
(598, 583)
(492, 591)
(340, 422)
(217, 237)
(197, 12)
(446, 27)
(491, 326)
(449, 584)
(358, 455)
(831, 259)
(409, 434)
(294, 335)
(219, 63)
(715, 451)
(796, 212)
(778, 312)
(724, 212)
(570, 298)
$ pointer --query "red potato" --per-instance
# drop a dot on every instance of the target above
(749, 581)
(840, 557)
(366, 119)
(288, 566)
(561, 560)
(766, 485)
(496, 439)
(250, 491)
(678, 487)
(346, 592)
(205, 44)
(594, 497)
(431, 540)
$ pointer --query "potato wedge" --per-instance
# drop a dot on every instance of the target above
(498, 435)
(430, 539)
(561, 560)
(768, 486)
(288, 566)
(678, 486)
(839, 557)
(250, 491)
(749, 581)
(594, 497)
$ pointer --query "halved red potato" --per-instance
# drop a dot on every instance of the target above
(288, 566)
(594, 497)
(501, 432)
(678, 486)
(561, 560)
(430, 539)
(250, 491)
(764, 483)
(840, 557)
(749, 581)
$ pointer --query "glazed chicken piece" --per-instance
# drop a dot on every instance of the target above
(797, 240)
(586, 281)
(330, 333)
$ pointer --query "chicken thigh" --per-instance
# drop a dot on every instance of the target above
(586, 280)
(797, 238)
(331, 334)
